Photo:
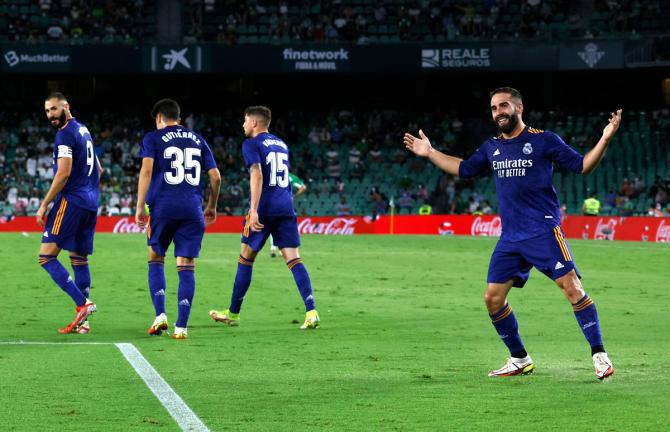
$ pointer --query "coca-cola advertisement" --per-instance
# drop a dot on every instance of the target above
(663, 232)
(331, 226)
(491, 228)
(127, 225)
(583, 227)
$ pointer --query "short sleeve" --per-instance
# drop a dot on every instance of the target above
(563, 155)
(295, 180)
(250, 153)
(64, 144)
(147, 149)
(208, 161)
(475, 164)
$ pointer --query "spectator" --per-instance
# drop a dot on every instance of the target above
(610, 199)
(591, 206)
(486, 208)
(343, 207)
(421, 193)
(627, 189)
(655, 211)
(405, 201)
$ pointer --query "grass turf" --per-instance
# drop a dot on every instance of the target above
(405, 343)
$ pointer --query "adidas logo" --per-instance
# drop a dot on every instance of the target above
(558, 265)
(46, 234)
(496, 153)
(160, 293)
(184, 302)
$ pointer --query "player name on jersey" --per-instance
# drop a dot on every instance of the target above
(180, 134)
(274, 142)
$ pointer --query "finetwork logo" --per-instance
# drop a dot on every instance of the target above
(316, 59)
(13, 58)
(591, 55)
(455, 58)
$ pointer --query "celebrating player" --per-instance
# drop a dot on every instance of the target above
(172, 160)
(522, 159)
(270, 212)
(300, 188)
(70, 225)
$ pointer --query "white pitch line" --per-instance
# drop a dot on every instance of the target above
(175, 406)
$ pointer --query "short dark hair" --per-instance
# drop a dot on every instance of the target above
(261, 111)
(509, 90)
(168, 108)
(56, 95)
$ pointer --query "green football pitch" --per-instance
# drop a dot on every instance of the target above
(405, 342)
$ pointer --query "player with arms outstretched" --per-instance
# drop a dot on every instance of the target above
(300, 188)
(70, 225)
(270, 212)
(173, 158)
(522, 160)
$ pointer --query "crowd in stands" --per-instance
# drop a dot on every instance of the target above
(76, 21)
(352, 163)
(368, 21)
(337, 21)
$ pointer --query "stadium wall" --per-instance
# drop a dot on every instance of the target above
(580, 227)
(295, 58)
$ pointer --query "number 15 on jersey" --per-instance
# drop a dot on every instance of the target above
(278, 169)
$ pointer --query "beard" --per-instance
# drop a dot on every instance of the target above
(61, 120)
(512, 122)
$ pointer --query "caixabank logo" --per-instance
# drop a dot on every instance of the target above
(176, 59)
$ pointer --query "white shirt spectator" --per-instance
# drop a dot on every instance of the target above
(31, 166)
(114, 201)
(354, 156)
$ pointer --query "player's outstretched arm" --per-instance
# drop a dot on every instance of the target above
(421, 147)
(214, 186)
(593, 158)
(57, 185)
(256, 186)
(142, 189)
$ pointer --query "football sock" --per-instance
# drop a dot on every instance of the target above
(587, 317)
(157, 285)
(62, 278)
(82, 275)
(242, 282)
(185, 293)
(301, 278)
(505, 323)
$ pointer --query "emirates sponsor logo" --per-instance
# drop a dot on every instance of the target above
(337, 226)
(125, 225)
(492, 228)
(663, 233)
(605, 229)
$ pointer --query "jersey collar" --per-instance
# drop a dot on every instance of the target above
(521, 132)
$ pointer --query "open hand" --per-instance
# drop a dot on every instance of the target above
(613, 125)
(419, 146)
